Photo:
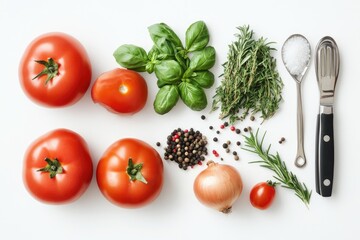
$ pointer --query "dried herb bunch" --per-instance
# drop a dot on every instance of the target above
(250, 81)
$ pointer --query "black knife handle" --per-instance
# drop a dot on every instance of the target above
(324, 158)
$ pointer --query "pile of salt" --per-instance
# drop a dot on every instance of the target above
(296, 54)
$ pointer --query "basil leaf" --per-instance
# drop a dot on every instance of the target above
(153, 53)
(165, 47)
(181, 60)
(203, 60)
(139, 69)
(193, 96)
(162, 31)
(155, 58)
(161, 83)
(168, 71)
(204, 79)
(197, 36)
(188, 73)
(149, 67)
(131, 57)
(166, 99)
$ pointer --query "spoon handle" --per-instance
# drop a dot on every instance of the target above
(300, 159)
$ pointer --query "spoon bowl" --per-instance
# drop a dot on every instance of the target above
(296, 55)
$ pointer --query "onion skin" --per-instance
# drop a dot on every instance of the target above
(218, 186)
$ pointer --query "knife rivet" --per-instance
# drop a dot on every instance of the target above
(326, 138)
(327, 182)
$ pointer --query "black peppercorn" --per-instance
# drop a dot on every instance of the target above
(238, 131)
(215, 139)
(203, 117)
(225, 145)
(158, 144)
(211, 127)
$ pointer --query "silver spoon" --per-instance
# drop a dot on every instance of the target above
(296, 55)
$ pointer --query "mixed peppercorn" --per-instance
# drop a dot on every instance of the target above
(186, 147)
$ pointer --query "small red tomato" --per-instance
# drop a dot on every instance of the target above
(120, 91)
(57, 167)
(262, 195)
(55, 70)
(130, 173)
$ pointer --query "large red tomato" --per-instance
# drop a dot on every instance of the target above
(57, 167)
(55, 70)
(130, 173)
(120, 91)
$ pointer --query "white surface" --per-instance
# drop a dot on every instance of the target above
(104, 25)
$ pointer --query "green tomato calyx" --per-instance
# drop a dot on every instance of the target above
(53, 167)
(134, 171)
(271, 183)
(51, 69)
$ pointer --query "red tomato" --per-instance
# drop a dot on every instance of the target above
(57, 167)
(130, 173)
(262, 195)
(120, 91)
(64, 68)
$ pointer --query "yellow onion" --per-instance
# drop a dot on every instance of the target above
(218, 186)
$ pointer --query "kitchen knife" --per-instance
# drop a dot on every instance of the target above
(327, 64)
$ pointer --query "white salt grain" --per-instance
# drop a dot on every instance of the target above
(296, 54)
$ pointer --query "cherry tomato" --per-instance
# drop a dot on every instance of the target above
(130, 173)
(120, 91)
(55, 70)
(57, 167)
(262, 195)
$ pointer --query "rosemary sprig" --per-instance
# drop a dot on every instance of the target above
(275, 164)
(250, 81)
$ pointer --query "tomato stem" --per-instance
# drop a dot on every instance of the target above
(271, 183)
(53, 167)
(51, 69)
(134, 171)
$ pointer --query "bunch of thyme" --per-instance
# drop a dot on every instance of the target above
(275, 164)
(250, 81)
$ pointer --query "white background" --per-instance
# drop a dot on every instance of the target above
(102, 26)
